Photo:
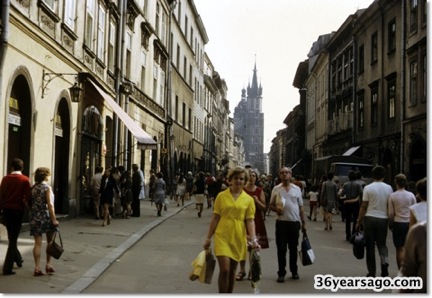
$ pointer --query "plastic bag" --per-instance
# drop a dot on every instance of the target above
(197, 266)
(306, 254)
(255, 269)
(203, 267)
(359, 244)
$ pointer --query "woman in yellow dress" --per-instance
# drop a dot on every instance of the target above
(233, 207)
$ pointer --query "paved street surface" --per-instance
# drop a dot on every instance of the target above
(153, 255)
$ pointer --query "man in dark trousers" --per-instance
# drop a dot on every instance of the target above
(14, 199)
(287, 201)
(137, 184)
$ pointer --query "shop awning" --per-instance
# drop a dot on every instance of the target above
(351, 151)
(145, 141)
(296, 164)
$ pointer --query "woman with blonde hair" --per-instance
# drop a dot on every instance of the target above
(42, 217)
(232, 209)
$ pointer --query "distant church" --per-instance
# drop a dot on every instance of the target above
(249, 123)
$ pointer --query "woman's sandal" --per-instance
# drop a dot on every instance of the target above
(38, 273)
(49, 269)
(240, 276)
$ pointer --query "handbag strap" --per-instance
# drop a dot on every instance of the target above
(55, 234)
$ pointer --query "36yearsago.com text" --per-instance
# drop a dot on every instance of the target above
(378, 284)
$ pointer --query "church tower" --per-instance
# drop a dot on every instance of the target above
(249, 123)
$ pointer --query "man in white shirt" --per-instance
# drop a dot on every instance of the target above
(287, 201)
(374, 212)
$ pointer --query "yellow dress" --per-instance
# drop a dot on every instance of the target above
(230, 234)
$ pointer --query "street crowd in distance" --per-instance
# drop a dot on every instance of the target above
(240, 200)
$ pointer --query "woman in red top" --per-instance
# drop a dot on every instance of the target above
(258, 195)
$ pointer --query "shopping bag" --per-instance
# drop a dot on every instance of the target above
(210, 263)
(306, 253)
(359, 244)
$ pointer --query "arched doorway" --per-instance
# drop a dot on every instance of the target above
(19, 123)
(61, 170)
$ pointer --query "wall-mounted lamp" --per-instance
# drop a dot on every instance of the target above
(75, 90)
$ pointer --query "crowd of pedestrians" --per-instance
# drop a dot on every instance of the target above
(240, 200)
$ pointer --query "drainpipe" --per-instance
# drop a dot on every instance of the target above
(381, 90)
(169, 133)
(126, 100)
(119, 72)
(354, 89)
(403, 86)
(4, 37)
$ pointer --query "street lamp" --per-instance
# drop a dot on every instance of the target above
(75, 90)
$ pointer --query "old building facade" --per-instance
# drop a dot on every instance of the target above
(366, 90)
(139, 67)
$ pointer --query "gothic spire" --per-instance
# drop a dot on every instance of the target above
(254, 78)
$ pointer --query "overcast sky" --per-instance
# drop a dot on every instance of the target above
(278, 35)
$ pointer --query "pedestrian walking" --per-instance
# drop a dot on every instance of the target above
(352, 191)
(399, 214)
(95, 186)
(159, 195)
(180, 190)
(137, 186)
(313, 202)
(208, 192)
(116, 208)
(42, 218)
(126, 193)
(359, 179)
(373, 216)
(198, 191)
(287, 201)
(419, 211)
(329, 200)
(107, 189)
(14, 199)
(189, 185)
(152, 180)
(258, 195)
(232, 209)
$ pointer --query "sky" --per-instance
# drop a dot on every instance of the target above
(277, 35)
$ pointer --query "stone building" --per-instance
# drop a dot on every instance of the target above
(249, 123)
(366, 90)
(138, 67)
